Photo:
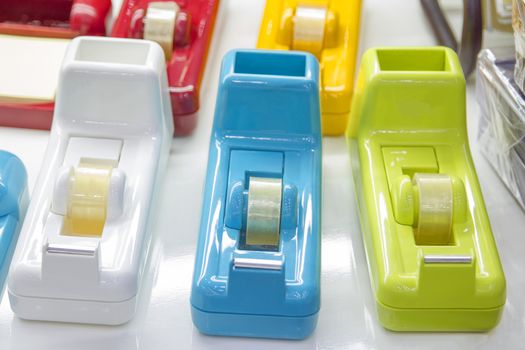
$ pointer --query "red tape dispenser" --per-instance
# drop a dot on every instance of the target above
(183, 29)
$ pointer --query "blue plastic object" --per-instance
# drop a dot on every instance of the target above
(13, 204)
(267, 124)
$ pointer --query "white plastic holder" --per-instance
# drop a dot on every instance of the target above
(112, 104)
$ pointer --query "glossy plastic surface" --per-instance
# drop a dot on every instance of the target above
(267, 123)
(187, 63)
(337, 58)
(411, 293)
(53, 18)
(13, 205)
(47, 18)
(28, 116)
(112, 107)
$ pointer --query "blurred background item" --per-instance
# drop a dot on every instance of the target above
(486, 23)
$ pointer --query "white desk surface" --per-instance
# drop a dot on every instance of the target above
(347, 319)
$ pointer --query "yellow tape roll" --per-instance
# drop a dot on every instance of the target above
(264, 211)
(434, 206)
(159, 24)
(88, 197)
(309, 29)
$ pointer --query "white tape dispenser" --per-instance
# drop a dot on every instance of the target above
(85, 238)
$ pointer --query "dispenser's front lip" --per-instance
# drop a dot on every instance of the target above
(396, 307)
(425, 318)
(87, 310)
(120, 286)
(133, 296)
(255, 314)
(295, 327)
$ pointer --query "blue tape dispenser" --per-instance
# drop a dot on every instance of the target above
(14, 199)
(257, 267)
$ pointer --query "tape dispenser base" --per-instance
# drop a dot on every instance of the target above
(86, 236)
(257, 266)
(432, 259)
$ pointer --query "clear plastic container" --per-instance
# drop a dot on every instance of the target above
(501, 134)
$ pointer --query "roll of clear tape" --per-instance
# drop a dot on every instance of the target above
(434, 208)
(88, 197)
(159, 24)
(264, 211)
(309, 29)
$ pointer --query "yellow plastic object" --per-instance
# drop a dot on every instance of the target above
(415, 179)
(329, 29)
(264, 211)
(87, 202)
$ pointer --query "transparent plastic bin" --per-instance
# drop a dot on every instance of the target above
(501, 134)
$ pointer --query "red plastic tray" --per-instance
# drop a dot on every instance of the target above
(51, 19)
(186, 66)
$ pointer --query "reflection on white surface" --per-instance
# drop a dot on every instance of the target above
(347, 319)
